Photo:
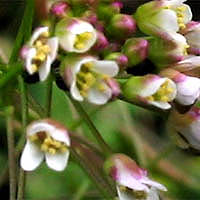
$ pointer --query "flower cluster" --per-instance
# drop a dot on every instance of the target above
(98, 49)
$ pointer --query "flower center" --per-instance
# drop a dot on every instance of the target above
(135, 193)
(180, 16)
(47, 143)
(42, 50)
(86, 78)
(163, 93)
(81, 40)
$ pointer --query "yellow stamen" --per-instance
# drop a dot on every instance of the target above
(33, 138)
(52, 151)
(82, 39)
(45, 34)
(79, 46)
(34, 67)
(101, 87)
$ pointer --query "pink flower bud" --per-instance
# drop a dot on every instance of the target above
(136, 49)
(120, 58)
(114, 86)
(101, 42)
(59, 9)
(121, 26)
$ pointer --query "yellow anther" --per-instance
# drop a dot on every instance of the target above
(181, 8)
(169, 90)
(79, 46)
(180, 20)
(45, 34)
(150, 98)
(182, 26)
(48, 140)
(85, 36)
(89, 78)
(164, 98)
(101, 87)
(44, 147)
(38, 43)
(85, 87)
(52, 151)
(63, 149)
(40, 56)
(34, 67)
(57, 144)
(45, 49)
(83, 93)
(33, 138)
(88, 65)
(180, 15)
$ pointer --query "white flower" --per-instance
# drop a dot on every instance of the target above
(87, 79)
(151, 89)
(155, 17)
(188, 87)
(40, 52)
(132, 181)
(75, 35)
(49, 140)
(188, 126)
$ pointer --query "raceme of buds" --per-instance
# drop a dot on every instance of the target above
(132, 181)
(120, 58)
(150, 89)
(75, 35)
(121, 26)
(136, 49)
(187, 125)
(89, 78)
(49, 140)
(39, 53)
(167, 49)
(188, 87)
(163, 16)
(192, 35)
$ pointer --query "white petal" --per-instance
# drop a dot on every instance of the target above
(154, 184)
(28, 62)
(45, 69)
(53, 44)
(124, 195)
(162, 105)
(98, 97)
(107, 67)
(58, 161)
(75, 92)
(81, 27)
(31, 157)
(191, 133)
(193, 38)
(187, 14)
(39, 126)
(67, 41)
(166, 19)
(153, 194)
(37, 33)
(151, 87)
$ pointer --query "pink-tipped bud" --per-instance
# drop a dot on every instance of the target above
(114, 86)
(117, 4)
(121, 26)
(59, 9)
(120, 58)
(90, 17)
(136, 49)
(101, 42)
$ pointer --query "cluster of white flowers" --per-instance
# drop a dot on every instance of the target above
(97, 45)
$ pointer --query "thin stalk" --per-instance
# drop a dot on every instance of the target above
(82, 190)
(24, 111)
(94, 131)
(11, 152)
(83, 165)
(49, 91)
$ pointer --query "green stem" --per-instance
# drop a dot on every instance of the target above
(24, 111)
(49, 91)
(82, 190)
(94, 131)
(84, 166)
(11, 152)
(15, 69)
